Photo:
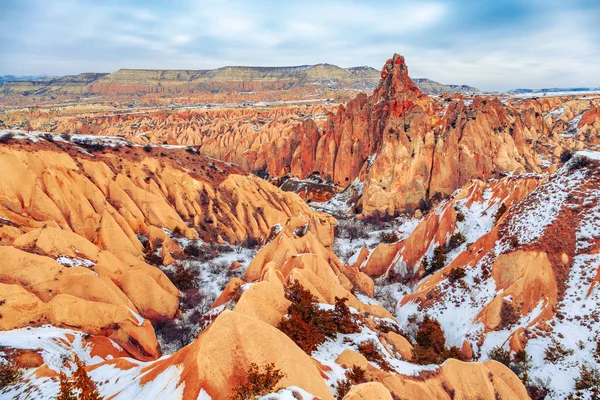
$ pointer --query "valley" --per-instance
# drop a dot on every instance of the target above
(297, 233)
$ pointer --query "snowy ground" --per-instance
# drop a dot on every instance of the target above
(576, 324)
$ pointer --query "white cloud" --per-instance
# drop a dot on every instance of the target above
(556, 45)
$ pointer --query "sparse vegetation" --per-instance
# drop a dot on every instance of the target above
(501, 210)
(579, 162)
(258, 382)
(354, 376)
(372, 353)
(350, 230)
(587, 382)
(179, 333)
(148, 148)
(10, 373)
(556, 352)
(388, 237)
(79, 386)
(456, 240)
(308, 325)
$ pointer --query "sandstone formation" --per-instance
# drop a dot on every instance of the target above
(72, 225)
(407, 150)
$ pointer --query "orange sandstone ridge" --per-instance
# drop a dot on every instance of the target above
(405, 149)
(74, 272)
(108, 246)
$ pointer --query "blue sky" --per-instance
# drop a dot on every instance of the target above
(494, 45)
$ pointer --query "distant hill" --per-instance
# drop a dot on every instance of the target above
(432, 87)
(554, 90)
(14, 78)
(230, 78)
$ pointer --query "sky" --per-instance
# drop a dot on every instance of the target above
(493, 45)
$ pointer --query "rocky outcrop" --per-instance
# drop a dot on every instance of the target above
(76, 227)
(517, 284)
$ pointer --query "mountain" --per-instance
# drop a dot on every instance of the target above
(555, 90)
(431, 87)
(231, 78)
(437, 247)
(113, 253)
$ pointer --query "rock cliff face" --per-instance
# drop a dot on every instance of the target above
(409, 149)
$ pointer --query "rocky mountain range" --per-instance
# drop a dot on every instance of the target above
(233, 78)
(398, 246)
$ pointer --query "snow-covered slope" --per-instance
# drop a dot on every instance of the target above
(530, 282)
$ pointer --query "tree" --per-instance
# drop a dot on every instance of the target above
(79, 387)
(66, 390)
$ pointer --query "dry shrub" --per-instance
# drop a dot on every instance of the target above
(183, 279)
(456, 240)
(589, 378)
(565, 156)
(431, 344)
(457, 274)
(10, 373)
(343, 317)
(308, 325)
(439, 259)
(258, 382)
(556, 352)
(500, 355)
(371, 352)
(501, 210)
(388, 237)
(508, 315)
(354, 376)
(430, 335)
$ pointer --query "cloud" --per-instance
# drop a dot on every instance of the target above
(490, 44)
